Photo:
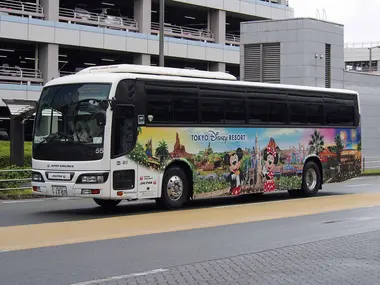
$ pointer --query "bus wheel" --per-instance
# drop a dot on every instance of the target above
(175, 188)
(107, 204)
(311, 179)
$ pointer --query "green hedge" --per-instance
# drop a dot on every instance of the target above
(5, 164)
(5, 154)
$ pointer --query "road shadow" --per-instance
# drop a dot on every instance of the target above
(87, 210)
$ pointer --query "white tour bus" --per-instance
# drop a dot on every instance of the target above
(127, 132)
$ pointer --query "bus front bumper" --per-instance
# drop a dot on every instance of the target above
(70, 190)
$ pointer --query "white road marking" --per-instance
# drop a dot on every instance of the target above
(359, 185)
(2, 251)
(120, 277)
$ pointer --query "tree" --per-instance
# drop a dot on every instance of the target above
(339, 146)
(162, 151)
(138, 155)
(317, 142)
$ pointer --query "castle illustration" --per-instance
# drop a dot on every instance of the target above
(255, 174)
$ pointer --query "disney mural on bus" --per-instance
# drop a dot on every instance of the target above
(234, 161)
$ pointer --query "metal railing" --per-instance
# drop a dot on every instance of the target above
(370, 163)
(25, 180)
(98, 20)
(30, 9)
(24, 9)
(361, 45)
(10, 74)
(363, 69)
(233, 39)
(183, 32)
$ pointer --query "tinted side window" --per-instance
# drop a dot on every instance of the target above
(339, 115)
(171, 103)
(235, 112)
(161, 109)
(264, 109)
(297, 113)
(314, 114)
(185, 110)
(278, 112)
(222, 104)
(258, 112)
(123, 130)
(212, 111)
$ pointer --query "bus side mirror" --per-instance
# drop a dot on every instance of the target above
(104, 104)
(100, 118)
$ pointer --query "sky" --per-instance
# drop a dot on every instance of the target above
(359, 17)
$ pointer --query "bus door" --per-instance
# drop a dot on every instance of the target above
(123, 169)
(123, 141)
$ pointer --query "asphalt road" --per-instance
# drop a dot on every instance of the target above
(52, 210)
(69, 264)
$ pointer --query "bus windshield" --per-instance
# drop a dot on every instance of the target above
(70, 121)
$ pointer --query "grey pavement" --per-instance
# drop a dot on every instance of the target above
(349, 260)
(70, 264)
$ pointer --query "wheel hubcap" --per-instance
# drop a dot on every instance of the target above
(175, 188)
(311, 179)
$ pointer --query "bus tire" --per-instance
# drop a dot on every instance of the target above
(311, 179)
(175, 189)
(107, 204)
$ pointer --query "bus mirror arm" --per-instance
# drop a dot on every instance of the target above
(113, 103)
(108, 102)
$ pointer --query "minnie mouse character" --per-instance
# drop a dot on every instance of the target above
(271, 159)
(235, 176)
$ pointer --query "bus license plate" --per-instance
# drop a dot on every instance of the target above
(59, 191)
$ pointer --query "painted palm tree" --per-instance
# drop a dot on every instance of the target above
(317, 142)
(162, 151)
(359, 147)
(339, 146)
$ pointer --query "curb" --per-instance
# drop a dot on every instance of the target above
(21, 197)
(370, 174)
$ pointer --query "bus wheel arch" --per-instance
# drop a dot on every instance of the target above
(312, 176)
(177, 173)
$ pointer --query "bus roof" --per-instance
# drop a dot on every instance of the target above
(110, 74)
(155, 70)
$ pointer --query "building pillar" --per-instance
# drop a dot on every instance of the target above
(143, 15)
(217, 66)
(48, 61)
(17, 142)
(217, 25)
(51, 9)
(142, 59)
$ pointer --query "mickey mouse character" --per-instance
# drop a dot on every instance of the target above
(235, 177)
(271, 159)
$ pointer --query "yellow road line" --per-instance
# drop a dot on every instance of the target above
(53, 234)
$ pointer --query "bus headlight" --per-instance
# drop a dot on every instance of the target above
(37, 177)
(93, 178)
